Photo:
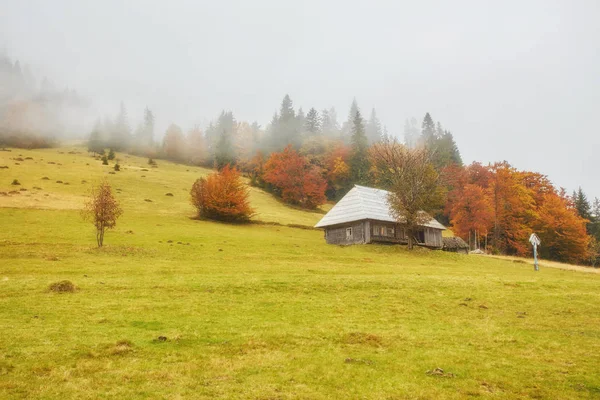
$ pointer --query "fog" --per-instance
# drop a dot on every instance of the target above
(512, 80)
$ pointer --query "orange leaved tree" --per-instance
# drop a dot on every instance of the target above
(472, 213)
(222, 196)
(102, 209)
(297, 181)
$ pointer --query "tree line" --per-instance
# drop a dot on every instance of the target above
(36, 113)
(309, 158)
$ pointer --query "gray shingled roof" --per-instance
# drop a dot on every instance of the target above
(361, 203)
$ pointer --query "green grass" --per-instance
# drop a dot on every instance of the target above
(263, 311)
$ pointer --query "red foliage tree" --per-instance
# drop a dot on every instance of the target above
(222, 196)
(562, 230)
(472, 213)
(295, 179)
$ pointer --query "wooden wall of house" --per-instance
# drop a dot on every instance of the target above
(339, 234)
(370, 231)
(433, 237)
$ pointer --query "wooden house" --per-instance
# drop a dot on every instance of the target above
(363, 216)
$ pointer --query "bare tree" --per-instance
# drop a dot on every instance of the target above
(102, 209)
(413, 183)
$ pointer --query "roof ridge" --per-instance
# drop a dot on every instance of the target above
(360, 200)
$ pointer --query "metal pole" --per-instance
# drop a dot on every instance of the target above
(535, 259)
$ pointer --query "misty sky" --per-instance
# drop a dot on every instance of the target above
(513, 80)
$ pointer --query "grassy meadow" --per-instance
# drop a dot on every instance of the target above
(174, 307)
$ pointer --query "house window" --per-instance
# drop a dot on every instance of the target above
(385, 231)
(348, 233)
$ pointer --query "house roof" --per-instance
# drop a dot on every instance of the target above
(361, 203)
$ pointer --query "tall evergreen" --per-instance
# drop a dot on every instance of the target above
(373, 128)
(582, 205)
(312, 124)
(348, 126)
(300, 121)
(329, 123)
(225, 128)
(385, 136)
(595, 228)
(428, 130)
(95, 142)
(121, 132)
(286, 131)
(411, 133)
(359, 159)
(224, 152)
(148, 127)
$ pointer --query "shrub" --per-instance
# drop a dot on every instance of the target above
(222, 196)
(111, 154)
(152, 163)
(15, 182)
(104, 160)
(117, 166)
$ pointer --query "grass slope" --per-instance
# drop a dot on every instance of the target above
(261, 311)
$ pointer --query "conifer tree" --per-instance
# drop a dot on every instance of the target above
(95, 143)
(373, 128)
(411, 133)
(121, 133)
(312, 124)
(428, 130)
(224, 149)
(583, 207)
(148, 127)
(348, 126)
(286, 130)
(359, 160)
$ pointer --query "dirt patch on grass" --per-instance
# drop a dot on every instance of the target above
(366, 339)
(120, 348)
(63, 287)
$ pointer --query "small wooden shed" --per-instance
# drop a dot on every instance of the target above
(455, 245)
(363, 216)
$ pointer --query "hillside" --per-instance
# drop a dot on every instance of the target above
(174, 307)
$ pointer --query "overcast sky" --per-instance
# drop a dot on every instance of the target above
(513, 80)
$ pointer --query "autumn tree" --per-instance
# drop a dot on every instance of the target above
(102, 209)
(514, 210)
(561, 230)
(472, 214)
(196, 150)
(338, 170)
(222, 196)
(246, 141)
(414, 185)
(174, 145)
(294, 179)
